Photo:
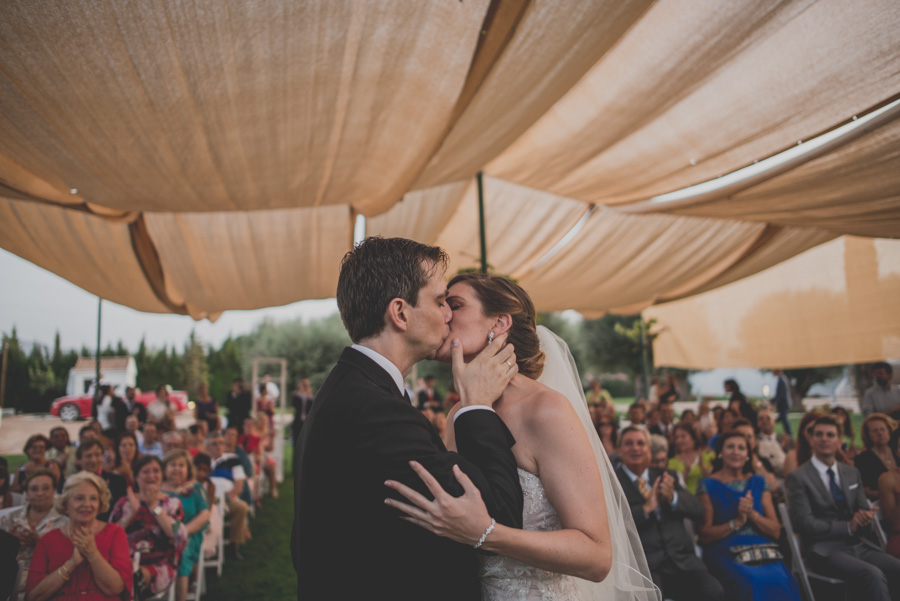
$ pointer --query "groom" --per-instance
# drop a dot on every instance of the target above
(362, 430)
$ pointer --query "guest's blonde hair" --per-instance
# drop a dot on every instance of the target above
(61, 502)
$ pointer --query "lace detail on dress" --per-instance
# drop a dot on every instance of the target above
(506, 579)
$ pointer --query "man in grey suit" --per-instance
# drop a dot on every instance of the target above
(659, 506)
(829, 510)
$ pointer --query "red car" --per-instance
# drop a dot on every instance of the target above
(71, 408)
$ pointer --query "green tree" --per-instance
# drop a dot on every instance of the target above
(224, 366)
(16, 373)
(195, 369)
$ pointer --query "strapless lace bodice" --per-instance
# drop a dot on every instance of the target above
(505, 579)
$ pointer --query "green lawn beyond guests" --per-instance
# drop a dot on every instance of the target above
(266, 573)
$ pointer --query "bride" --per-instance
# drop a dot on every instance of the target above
(579, 540)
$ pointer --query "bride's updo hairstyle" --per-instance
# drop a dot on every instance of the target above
(499, 295)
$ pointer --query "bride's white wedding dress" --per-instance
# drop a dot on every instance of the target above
(506, 579)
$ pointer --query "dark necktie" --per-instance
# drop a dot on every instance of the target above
(837, 494)
(406, 397)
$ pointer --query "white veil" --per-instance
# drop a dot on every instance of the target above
(629, 579)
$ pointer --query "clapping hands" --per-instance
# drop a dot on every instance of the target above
(84, 544)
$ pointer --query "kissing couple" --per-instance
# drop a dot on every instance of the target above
(521, 502)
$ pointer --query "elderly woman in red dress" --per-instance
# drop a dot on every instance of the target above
(85, 560)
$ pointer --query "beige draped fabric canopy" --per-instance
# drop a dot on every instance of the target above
(200, 156)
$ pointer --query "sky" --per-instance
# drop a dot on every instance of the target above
(39, 303)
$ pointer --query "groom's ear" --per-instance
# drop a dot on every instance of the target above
(502, 324)
(397, 314)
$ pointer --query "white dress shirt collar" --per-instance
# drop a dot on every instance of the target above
(823, 472)
(385, 364)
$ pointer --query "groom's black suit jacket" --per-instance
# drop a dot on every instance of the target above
(346, 543)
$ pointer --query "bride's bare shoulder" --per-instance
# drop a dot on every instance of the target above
(543, 404)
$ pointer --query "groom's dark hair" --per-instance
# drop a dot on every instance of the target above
(378, 270)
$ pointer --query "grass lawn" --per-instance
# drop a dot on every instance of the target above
(266, 573)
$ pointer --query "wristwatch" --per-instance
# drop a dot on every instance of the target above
(157, 510)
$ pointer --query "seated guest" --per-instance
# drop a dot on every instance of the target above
(889, 500)
(849, 443)
(152, 521)
(659, 451)
(173, 440)
(637, 414)
(830, 511)
(760, 466)
(85, 434)
(802, 451)
(768, 444)
(61, 450)
(87, 559)
(125, 458)
(706, 421)
(36, 449)
(133, 426)
(725, 421)
(740, 531)
(179, 482)
(34, 519)
(202, 471)
(195, 440)
(659, 506)
(90, 457)
(878, 457)
(151, 445)
(690, 460)
(228, 465)
(608, 431)
(250, 461)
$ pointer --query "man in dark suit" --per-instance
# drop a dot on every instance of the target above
(239, 403)
(659, 506)
(363, 430)
(829, 510)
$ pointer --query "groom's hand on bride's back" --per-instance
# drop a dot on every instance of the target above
(483, 379)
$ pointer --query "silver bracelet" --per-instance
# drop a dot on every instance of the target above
(486, 532)
(733, 526)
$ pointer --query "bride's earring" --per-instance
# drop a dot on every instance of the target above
(490, 336)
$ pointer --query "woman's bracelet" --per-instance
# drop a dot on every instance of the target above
(63, 574)
(486, 532)
(733, 526)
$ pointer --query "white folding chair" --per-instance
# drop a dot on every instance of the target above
(218, 559)
(798, 566)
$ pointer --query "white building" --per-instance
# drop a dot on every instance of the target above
(117, 371)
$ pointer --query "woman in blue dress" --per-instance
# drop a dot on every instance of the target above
(740, 529)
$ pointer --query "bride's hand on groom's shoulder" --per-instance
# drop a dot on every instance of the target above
(483, 379)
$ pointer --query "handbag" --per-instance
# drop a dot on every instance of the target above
(755, 555)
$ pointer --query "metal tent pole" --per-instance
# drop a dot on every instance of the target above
(481, 232)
